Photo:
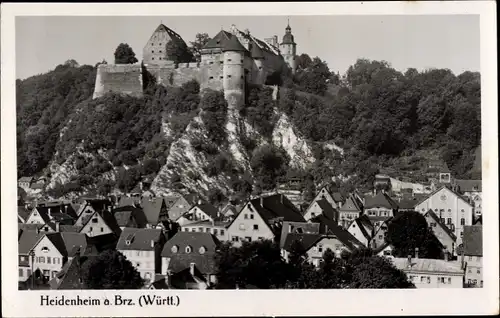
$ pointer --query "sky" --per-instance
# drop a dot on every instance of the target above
(421, 42)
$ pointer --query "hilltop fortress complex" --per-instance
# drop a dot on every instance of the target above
(229, 62)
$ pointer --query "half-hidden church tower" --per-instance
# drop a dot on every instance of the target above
(229, 61)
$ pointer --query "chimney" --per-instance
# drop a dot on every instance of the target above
(58, 226)
(38, 230)
(110, 208)
(191, 268)
(326, 229)
(199, 202)
(416, 253)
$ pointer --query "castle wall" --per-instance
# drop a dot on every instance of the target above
(154, 52)
(118, 78)
(233, 71)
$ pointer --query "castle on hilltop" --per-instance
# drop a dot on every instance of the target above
(229, 62)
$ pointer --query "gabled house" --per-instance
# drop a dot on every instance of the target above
(179, 208)
(217, 228)
(89, 206)
(322, 207)
(472, 255)
(362, 229)
(297, 228)
(142, 247)
(53, 250)
(331, 237)
(199, 212)
(188, 260)
(262, 218)
(385, 250)
(51, 217)
(349, 211)
(451, 208)
(155, 210)
(380, 205)
(99, 223)
(441, 231)
(324, 194)
(26, 242)
(129, 216)
(22, 214)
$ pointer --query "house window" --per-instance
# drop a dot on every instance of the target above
(234, 239)
(221, 232)
(138, 264)
(313, 214)
(202, 250)
(246, 216)
(380, 237)
(102, 229)
(21, 272)
(200, 229)
(241, 76)
(138, 253)
(422, 279)
(478, 271)
(248, 238)
(45, 249)
(229, 60)
(160, 58)
(174, 249)
(90, 229)
(215, 231)
(229, 76)
(28, 272)
(160, 51)
(193, 230)
(188, 249)
(211, 63)
(428, 280)
(41, 259)
(46, 273)
(207, 230)
(461, 234)
(448, 221)
(251, 216)
(152, 58)
(241, 61)
(462, 221)
(449, 280)
(242, 226)
(152, 51)
(470, 258)
(442, 220)
(49, 260)
(211, 77)
(320, 248)
(255, 226)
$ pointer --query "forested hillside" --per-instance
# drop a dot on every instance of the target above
(379, 116)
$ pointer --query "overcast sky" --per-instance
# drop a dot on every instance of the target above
(430, 41)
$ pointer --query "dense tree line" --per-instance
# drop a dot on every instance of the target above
(260, 265)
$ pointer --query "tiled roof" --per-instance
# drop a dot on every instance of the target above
(327, 209)
(69, 228)
(223, 223)
(128, 201)
(328, 226)
(365, 228)
(219, 40)
(152, 209)
(69, 276)
(124, 214)
(170, 200)
(337, 197)
(234, 45)
(181, 260)
(298, 228)
(256, 51)
(277, 206)
(428, 265)
(28, 240)
(473, 240)
(306, 239)
(209, 209)
(441, 224)
(140, 239)
(407, 204)
(66, 242)
(380, 200)
(350, 205)
(99, 204)
(108, 218)
(469, 185)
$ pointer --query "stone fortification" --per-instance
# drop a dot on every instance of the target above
(118, 78)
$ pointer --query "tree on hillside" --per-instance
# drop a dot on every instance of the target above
(200, 40)
(125, 55)
(315, 78)
(303, 61)
(178, 52)
(268, 163)
(111, 270)
(408, 231)
(214, 107)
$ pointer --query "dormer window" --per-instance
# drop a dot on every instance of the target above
(45, 249)
(202, 250)
(174, 249)
(152, 51)
(188, 249)
(127, 242)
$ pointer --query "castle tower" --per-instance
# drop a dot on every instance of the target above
(258, 76)
(154, 52)
(233, 72)
(288, 48)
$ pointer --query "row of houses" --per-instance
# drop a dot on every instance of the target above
(172, 240)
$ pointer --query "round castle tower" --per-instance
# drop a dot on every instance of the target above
(288, 48)
(233, 72)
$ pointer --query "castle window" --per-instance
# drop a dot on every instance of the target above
(211, 77)
(152, 58)
(152, 51)
(241, 61)
(221, 62)
(241, 76)
(260, 67)
(160, 44)
(160, 58)
(160, 51)
(229, 76)
(211, 62)
(221, 77)
(229, 60)
(153, 43)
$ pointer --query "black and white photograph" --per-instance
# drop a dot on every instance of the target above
(164, 152)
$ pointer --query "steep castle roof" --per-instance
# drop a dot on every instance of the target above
(173, 35)
(234, 45)
(219, 40)
(256, 51)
